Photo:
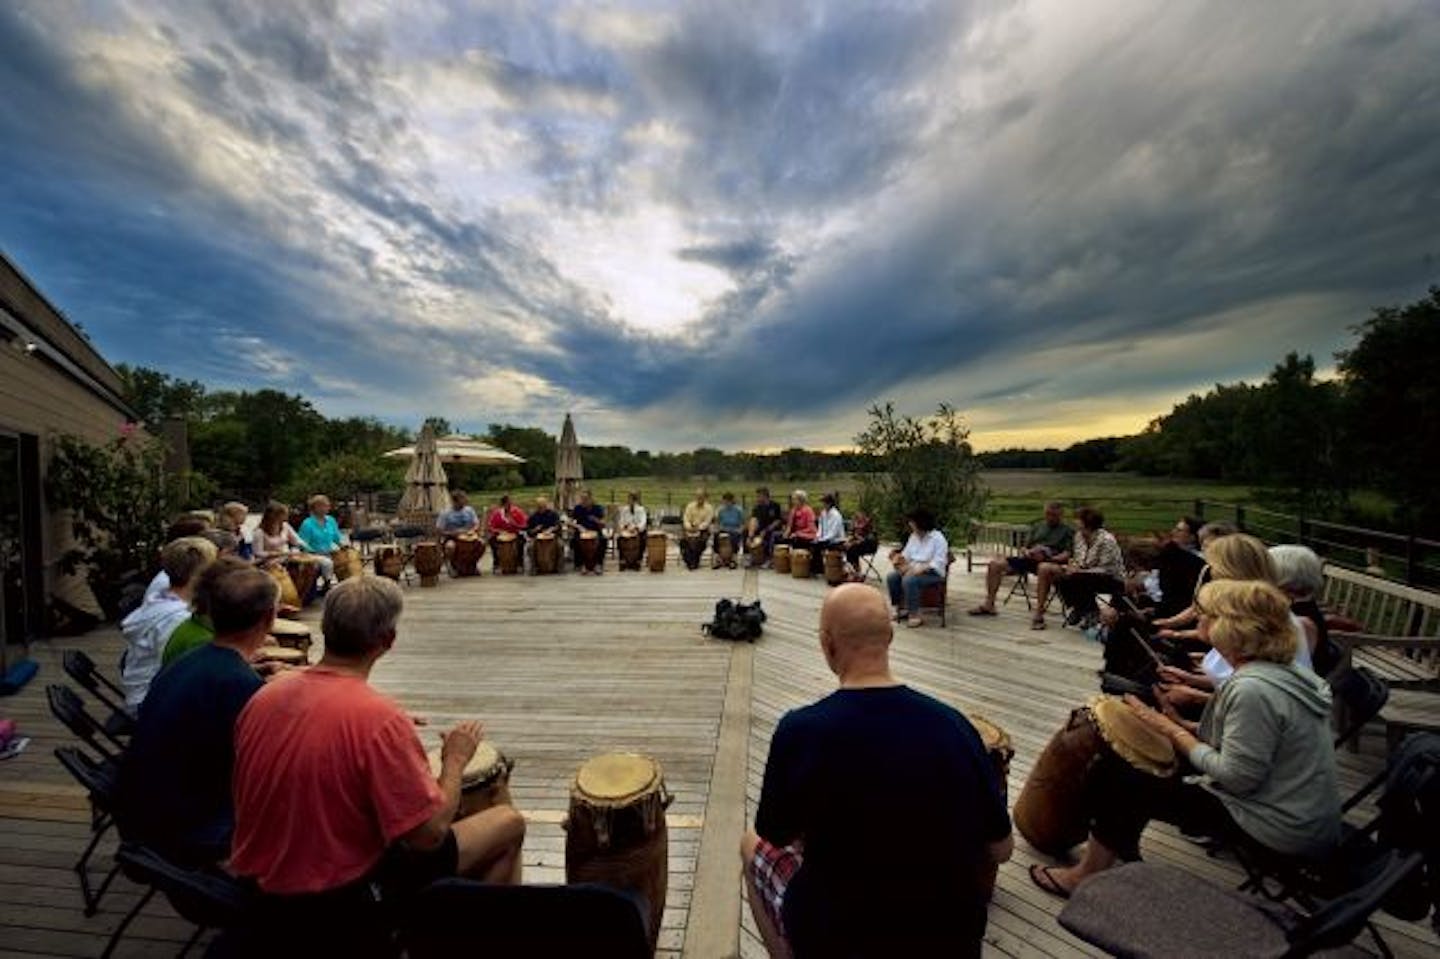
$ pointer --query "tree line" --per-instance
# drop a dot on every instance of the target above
(1308, 442)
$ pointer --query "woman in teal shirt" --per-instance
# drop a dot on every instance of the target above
(321, 536)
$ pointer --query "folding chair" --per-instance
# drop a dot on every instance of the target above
(1131, 910)
(83, 670)
(98, 780)
(208, 898)
(70, 710)
(583, 919)
(867, 566)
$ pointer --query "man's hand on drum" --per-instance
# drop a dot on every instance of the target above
(1175, 696)
(1150, 716)
(1171, 675)
(460, 743)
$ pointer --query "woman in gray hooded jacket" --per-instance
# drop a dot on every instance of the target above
(1263, 753)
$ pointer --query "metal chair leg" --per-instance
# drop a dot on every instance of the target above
(125, 923)
(82, 867)
(194, 938)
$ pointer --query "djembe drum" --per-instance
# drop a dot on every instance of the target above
(724, 550)
(800, 563)
(465, 554)
(998, 748)
(281, 654)
(629, 549)
(290, 634)
(347, 562)
(834, 567)
(485, 781)
(781, 559)
(656, 543)
(546, 554)
(389, 561)
(587, 549)
(757, 551)
(692, 547)
(429, 561)
(1052, 813)
(615, 832)
(304, 570)
(288, 594)
(507, 553)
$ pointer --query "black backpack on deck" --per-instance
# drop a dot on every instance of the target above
(736, 621)
(1410, 808)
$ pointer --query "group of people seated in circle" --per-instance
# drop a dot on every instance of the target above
(725, 530)
(240, 767)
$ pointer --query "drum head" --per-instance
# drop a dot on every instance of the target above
(589, 534)
(280, 654)
(991, 735)
(481, 769)
(285, 627)
(617, 777)
(506, 537)
(1136, 743)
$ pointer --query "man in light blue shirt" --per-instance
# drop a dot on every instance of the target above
(460, 518)
(923, 562)
(730, 520)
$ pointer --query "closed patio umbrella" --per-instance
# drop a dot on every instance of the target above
(427, 490)
(568, 471)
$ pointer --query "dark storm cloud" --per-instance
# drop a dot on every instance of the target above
(934, 201)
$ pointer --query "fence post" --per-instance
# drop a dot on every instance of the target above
(1304, 530)
(1200, 510)
(1410, 560)
(1239, 518)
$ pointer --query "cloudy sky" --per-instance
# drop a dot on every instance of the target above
(725, 223)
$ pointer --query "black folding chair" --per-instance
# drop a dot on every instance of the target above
(98, 780)
(70, 710)
(207, 897)
(83, 670)
(590, 920)
(1131, 910)
(1359, 696)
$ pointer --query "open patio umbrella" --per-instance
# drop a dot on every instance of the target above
(459, 448)
(568, 471)
(427, 489)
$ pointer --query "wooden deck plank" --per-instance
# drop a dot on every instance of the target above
(562, 667)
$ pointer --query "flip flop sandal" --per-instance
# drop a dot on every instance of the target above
(981, 611)
(1040, 876)
(1037, 624)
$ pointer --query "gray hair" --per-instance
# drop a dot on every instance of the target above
(360, 614)
(1298, 570)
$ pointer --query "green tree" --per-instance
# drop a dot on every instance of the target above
(439, 425)
(535, 445)
(1393, 400)
(923, 463)
(155, 395)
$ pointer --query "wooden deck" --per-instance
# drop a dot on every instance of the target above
(560, 668)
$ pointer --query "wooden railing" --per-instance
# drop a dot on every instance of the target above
(988, 539)
(1400, 634)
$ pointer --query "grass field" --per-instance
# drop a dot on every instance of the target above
(1132, 504)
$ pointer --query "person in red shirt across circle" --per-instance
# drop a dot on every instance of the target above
(504, 517)
(335, 804)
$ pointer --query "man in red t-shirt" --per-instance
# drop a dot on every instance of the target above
(334, 798)
(504, 517)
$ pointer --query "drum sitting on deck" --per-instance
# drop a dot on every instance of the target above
(304, 570)
(629, 549)
(782, 559)
(288, 595)
(615, 832)
(587, 548)
(757, 551)
(466, 554)
(546, 554)
(429, 560)
(656, 543)
(485, 781)
(293, 635)
(724, 550)
(834, 567)
(347, 562)
(389, 561)
(998, 748)
(507, 553)
(1051, 812)
(800, 563)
